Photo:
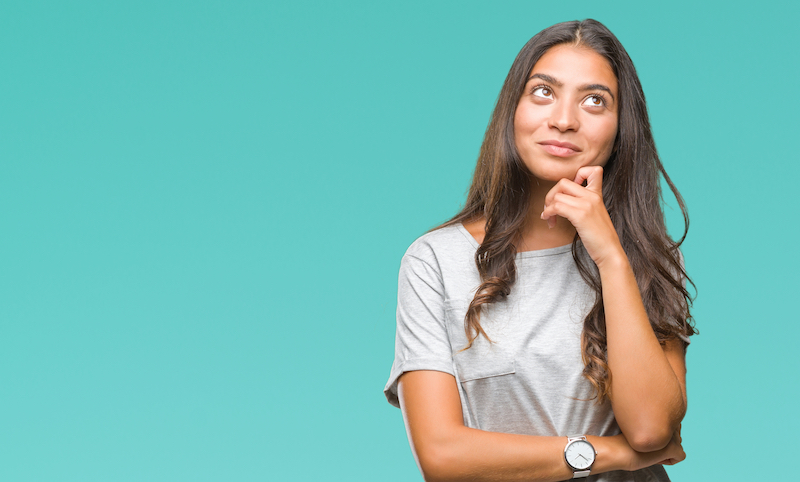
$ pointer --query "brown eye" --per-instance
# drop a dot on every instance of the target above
(543, 92)
(594, 101)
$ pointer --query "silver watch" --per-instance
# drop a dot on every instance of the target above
(579, 455)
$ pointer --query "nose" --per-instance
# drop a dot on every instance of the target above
(564, 117)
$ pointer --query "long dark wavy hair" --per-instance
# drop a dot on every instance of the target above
(500, 193)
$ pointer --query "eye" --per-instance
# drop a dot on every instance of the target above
(594, 100)
(542, 91)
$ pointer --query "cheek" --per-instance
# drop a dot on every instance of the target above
(612, 136)
(519, 120)
(520, 128)
(526, 121)
(606, 136)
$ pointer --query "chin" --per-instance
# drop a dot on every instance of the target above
(555, 175)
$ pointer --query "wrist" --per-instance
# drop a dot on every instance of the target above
(611, 453)
(614, 259)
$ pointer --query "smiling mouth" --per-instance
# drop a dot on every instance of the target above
(559, 149)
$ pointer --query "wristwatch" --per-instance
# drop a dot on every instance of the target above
(579, 455)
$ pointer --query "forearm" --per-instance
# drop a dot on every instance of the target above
(476, 455)
(646, 394)
(447, 450)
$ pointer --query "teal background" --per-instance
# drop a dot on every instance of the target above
(203, 206)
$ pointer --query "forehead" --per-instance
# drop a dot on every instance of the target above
(574, 66)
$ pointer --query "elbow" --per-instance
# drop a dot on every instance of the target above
(439, 463)
(655, 430)
(650, 439)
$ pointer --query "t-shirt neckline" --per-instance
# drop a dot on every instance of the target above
(524, 254)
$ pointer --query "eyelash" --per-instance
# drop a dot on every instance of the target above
(545, 86)
(599, 96)
(540, 86)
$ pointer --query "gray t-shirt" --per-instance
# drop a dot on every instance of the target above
(529, 380)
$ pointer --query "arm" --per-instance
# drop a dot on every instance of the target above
(648, 383)
(648, 388)
(447, 450)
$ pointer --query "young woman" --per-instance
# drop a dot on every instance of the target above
(541, 332)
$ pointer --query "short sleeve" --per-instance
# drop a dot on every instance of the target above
(421, 341)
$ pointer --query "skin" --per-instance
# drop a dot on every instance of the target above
(557, 105)
(648, 386)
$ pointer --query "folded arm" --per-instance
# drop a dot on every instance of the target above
(447, 450)
(648, 381)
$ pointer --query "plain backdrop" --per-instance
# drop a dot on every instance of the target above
(203, 206)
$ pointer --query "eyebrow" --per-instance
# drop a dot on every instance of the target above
(582, 88)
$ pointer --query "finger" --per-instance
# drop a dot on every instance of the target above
(555, 197)
(561, 200)
(565, 206)
(550, 218)
(564, 186)
(552, 208)
(675, 457)
(593, 175)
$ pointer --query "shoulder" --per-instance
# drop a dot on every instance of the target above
(444, 243)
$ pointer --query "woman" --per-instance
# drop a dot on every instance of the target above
(542, 331)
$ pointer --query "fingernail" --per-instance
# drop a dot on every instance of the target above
(542, 215)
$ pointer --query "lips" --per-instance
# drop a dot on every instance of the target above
(558, 148)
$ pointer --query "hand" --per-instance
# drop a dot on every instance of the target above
(676, 439)
(669, 455)
(584, 208)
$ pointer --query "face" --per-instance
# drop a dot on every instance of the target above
(567, 115)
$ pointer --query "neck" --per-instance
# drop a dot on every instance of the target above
(536, 234)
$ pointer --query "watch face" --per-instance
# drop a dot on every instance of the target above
(580, 455)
